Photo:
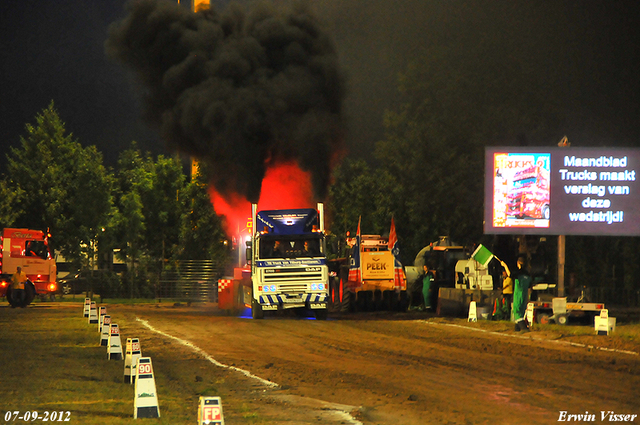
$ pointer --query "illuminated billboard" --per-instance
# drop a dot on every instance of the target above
(562, 191)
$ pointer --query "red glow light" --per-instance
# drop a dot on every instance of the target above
(284, 186)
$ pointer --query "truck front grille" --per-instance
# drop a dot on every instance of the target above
(293, 281)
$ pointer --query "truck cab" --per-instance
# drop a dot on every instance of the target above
(529, 197)
(29, 250)
(289, 267)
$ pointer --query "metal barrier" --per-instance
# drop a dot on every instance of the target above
(191, 281)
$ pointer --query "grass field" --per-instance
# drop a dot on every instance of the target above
(51, 361)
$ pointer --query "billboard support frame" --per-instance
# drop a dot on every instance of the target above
(561, 261)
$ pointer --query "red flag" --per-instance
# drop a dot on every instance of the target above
(394, 247)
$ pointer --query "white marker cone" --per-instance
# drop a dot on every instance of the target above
(103, 312)
(127, 362)
(93, 313)
(136, 353)
(210, 411)
(145, 403)
(114, 346)
(132, 354)
(530, 314)
(87, 307)
(473, 312)
(106, 329)
(603, 323)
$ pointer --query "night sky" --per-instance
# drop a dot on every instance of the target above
(585, 51)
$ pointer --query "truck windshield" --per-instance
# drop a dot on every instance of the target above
(274, 246)
(36, 249)
(524, 182)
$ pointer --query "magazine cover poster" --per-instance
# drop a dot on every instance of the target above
(521, 190)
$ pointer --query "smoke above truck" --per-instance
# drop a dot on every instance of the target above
(240, 89)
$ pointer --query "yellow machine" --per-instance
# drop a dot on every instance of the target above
(371, 281)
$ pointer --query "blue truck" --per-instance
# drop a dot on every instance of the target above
(286, 265)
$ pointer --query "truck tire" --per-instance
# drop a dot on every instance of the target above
(545, 212)
(543, 318)
(348, 302)
(321, 314)
(238, 305)
(29, 291)
(378, 301)
(256, 310)
(9, 297)
(364, 301)
(388, 300)
(402, 301)
(29, 295)
(562, 319)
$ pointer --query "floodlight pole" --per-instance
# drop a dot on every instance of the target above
(561, 240)
(561, 255)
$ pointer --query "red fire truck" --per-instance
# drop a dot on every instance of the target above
(28, 249)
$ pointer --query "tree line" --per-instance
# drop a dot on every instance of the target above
(146, 208)
(427, 172)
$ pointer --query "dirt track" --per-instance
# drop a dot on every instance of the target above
(404, 369)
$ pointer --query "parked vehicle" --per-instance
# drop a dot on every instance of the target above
(102, 282)
(28, 249)
(74, 282)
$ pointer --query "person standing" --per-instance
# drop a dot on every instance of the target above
(17, 287)
(427, 286)
(507, 288)
(521, 294)
(278, 250)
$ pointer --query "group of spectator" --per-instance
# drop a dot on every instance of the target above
(513, 303)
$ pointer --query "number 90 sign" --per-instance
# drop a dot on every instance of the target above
(144, 369)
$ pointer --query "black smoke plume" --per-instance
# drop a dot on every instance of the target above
(239, 89)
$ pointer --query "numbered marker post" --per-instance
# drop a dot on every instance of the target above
(106, 329)
(473, 312)
(530, 314)
(136, 353)
(87, 307)
(114, 346)
(132, 354)
(93, 313)
(210, 411)
(145, 404)
(103, 312)
(603, 323)
(127, 362)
